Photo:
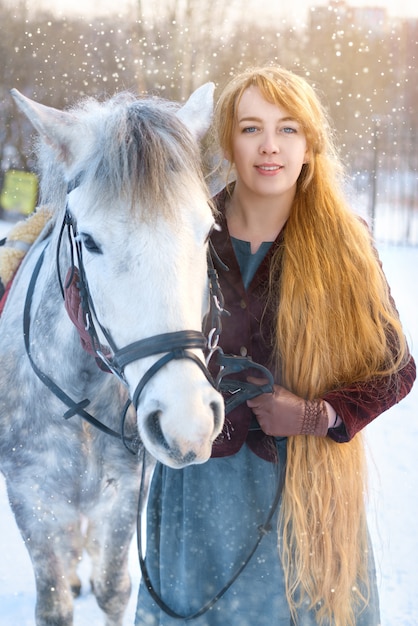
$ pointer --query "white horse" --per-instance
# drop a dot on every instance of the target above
(127, 248)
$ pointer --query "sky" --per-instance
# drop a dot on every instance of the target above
(297, 10)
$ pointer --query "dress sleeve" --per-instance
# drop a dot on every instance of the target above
(360, 403)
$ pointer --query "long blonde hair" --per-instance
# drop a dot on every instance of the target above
(335, 325)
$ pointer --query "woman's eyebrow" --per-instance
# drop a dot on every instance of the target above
(253, 118)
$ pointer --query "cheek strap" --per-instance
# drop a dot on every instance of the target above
(73, 306)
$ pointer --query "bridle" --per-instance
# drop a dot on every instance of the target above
(173, 346)
(263, 529)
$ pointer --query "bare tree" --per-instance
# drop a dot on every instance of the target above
(179, 42)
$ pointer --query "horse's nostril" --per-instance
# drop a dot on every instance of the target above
(216, 415)
(187, 459)
(153, 427)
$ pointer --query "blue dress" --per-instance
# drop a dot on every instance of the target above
(202, 524)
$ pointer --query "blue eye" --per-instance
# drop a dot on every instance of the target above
(249, 129)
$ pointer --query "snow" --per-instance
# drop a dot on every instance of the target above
(392, 442)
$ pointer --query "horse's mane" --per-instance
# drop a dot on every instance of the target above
(129, 148)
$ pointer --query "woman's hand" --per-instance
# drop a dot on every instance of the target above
(283, 414)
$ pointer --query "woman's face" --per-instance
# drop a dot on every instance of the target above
(268, 147)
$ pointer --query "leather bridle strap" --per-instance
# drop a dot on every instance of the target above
(166, 342)
(74, 408)
(263, 530)
(235, 391)
(174, 342)
(173, 354)
(175, 345)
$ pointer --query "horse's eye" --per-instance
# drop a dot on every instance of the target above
(90, 244)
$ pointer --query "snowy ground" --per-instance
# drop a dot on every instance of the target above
(393, 510)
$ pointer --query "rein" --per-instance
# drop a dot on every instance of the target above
(74, 408)
(177, 344)
(172, 346)
(263, 530)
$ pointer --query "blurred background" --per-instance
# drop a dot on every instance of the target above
(363, 60)
(361, 57)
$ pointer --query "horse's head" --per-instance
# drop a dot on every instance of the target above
(140, 211)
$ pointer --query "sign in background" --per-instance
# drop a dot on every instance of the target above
(20, 192)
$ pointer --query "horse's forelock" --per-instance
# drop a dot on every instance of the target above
(139, 151)
(146, 154)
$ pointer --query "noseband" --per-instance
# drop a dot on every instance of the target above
(173, 346)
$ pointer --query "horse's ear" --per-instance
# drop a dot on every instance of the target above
(196, 114)
(54, 126)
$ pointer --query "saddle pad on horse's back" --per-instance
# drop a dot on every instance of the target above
(15, 246)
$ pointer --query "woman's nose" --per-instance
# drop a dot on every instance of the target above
(269, 145)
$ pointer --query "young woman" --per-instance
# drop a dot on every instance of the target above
(282, 497)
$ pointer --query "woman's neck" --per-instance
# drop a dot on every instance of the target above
(256, 219)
